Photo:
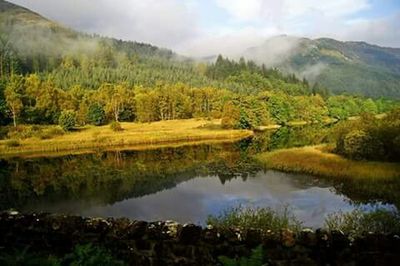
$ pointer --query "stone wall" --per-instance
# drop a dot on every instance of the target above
(170, 243)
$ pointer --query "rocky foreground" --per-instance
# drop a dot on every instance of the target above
(170, 243)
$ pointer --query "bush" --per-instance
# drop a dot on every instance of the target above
(67, 120)
(116, 126)
(12, 143)
(354, 144)
(261, 218)
(96, 114)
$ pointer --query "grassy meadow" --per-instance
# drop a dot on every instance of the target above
(132, 135)
(318, 160)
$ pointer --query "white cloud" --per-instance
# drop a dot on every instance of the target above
(164, 23)
(382, 31)
(258, 10)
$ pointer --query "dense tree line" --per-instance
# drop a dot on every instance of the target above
(30, 99)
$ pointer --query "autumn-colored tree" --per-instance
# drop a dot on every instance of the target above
(13, 95)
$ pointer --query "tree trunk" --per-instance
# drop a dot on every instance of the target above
(14, 119)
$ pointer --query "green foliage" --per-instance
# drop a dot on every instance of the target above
(281, 109)
(107, 79)
(67, 120)
(230, 115)
(355, 144)
(359, 222)
(82, 255)
(260, 218)
(116, 126)
(27, 258)
(96, 114)
(370, 138)
(89, 255)
(256, 259)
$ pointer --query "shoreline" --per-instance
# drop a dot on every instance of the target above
(135, 136)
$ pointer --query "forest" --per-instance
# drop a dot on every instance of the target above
(113, 87)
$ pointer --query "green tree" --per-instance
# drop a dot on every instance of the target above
(67, 120)
(96, 114)
(13, 95)
(230, 115)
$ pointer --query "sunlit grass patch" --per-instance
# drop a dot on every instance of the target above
(133, 134)
(318, 160)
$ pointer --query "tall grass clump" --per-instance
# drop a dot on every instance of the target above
(257, 217)
(358, 222)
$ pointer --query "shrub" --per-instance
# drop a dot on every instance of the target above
(354, 144)
(116, 126)
(12, 143)
(96, 114)
(67, 120)
(261, 218)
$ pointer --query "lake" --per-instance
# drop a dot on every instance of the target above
(186, 183)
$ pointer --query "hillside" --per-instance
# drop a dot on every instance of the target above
(354, 67)
(39, 44)
(50, 73)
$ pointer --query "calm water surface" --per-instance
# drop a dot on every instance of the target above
(185, 184)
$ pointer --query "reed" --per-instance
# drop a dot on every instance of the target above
(320, 161)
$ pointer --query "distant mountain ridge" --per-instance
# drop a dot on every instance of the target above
(355, 67)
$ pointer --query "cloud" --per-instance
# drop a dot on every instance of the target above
(258, 10)
(381, 31)
(164, 23)
(209, 27)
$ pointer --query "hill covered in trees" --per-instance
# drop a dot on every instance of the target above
(49, 72)
(353, 67)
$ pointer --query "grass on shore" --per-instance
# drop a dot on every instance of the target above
(133, 135)
(319, 161)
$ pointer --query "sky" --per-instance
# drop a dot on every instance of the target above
(209, 27)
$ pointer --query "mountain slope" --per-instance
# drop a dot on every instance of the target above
(355, 67)
(33, 39)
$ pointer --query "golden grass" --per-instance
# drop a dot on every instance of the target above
(319, 161)
(134, 135)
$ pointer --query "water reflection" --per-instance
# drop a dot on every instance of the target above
(184, 184)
